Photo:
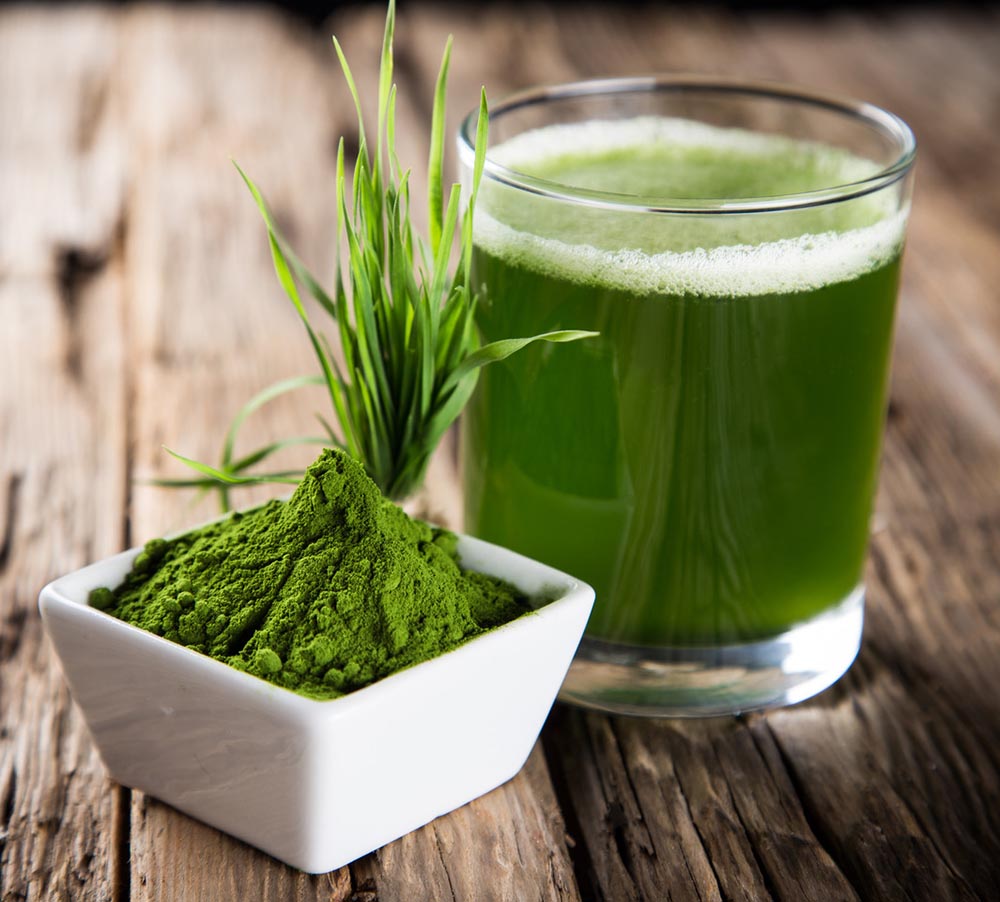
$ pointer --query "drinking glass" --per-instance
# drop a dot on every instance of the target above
(709, 461)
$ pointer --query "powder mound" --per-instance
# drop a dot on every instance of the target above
(322, 594)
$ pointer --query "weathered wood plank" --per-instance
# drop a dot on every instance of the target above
(687, 811)
(62, 446)
(139, 308)
(923, 719)
(867, 786)
(175, 857)
(208, 325)
(507, 845)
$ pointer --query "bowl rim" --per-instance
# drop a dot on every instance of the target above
(571, 592)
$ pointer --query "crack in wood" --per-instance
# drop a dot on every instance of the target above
(12, 633)
(59, 733)
(7, 800)
(782, 764)
(814, 822)
(952, 871)
(903, 788)
(695, 883)
(577, 848)
(83, 868)
(617, 825)
(363, 889)
(612, 823)
(444, 864)
(75, 268)
(751, 835)
(861, 882)
(122, 860)
(10, 518)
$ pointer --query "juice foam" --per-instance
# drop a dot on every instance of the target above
(659, 161)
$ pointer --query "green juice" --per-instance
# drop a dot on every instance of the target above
(709, 462)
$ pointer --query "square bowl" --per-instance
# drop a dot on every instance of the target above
(317, 784)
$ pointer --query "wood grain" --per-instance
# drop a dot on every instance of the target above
(206, 333)
(139, 309)
(62, 472)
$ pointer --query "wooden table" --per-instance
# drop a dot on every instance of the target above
(139, 308)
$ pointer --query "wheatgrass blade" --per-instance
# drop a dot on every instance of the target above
(194, 482)
(395, 170)
(501, 350)
(257, 401)
(439, 421)
(283, 271)
(443, 256)
(353, 88)
(448, 333)
(435, 159)
(404, 316)
(479, 161)
(255, 457)
(285, 476)
(328, 429)
(368, 352)
(384, 82)
(334, 385)
(299, 268)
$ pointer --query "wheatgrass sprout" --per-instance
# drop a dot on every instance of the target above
(404, 312)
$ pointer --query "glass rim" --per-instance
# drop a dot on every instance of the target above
(888, 124)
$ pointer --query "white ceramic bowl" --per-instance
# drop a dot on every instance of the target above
(317, 783)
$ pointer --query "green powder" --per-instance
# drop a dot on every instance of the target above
(322, 594)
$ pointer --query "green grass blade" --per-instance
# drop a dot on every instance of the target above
(449, 410)
(283, 271)
(226, 478)
(353, 88)
(204, 482)
(395, 169)
(378, 457)
(258, 401)
(435, 160)
(405, 318)
(331, 436)
(385, 78)
(482, 134)
(341, 204)
(369, 354)
(426, 352)
(300, 269)
(341, 396)
(457, 332)
(255, 457)
(501, 350)
(444, 255)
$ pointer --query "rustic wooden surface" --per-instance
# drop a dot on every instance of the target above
(138, 308)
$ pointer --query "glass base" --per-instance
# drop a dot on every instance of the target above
(725, 679)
